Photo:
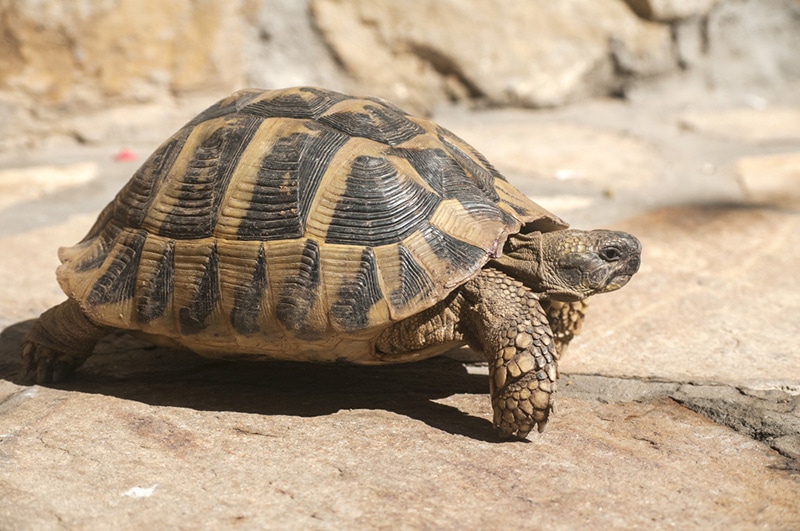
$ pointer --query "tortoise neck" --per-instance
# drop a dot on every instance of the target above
(522, 259)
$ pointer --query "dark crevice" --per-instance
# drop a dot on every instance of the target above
(446, 67)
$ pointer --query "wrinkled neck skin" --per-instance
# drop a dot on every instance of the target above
(570, 265)
(523, 259)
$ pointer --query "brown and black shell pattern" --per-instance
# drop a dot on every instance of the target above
(294, 224)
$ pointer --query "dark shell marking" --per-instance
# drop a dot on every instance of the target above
(300, 214)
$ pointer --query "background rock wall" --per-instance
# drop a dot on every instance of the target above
(94, 70)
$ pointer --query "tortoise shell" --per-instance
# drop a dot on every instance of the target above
(294, 224)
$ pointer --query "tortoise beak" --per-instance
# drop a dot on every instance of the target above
(630, 258)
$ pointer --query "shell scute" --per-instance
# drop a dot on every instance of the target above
(300, 306)
(406, 283)
(302, 102)
(371, 120)
(156, 279)
(196, 283)
(378, 206)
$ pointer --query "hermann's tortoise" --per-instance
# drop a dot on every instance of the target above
(304, 224)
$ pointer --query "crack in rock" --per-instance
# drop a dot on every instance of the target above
(771, 416)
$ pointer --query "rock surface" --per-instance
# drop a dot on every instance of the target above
(679, 405)
(87, 71)
(550, 53)
(191, 452)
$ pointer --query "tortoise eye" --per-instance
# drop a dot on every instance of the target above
(610, 254)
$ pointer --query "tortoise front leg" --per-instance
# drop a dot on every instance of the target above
(59, 342)
(506, 322)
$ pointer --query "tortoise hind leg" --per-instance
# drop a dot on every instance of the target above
(59, 342)
(566, 319)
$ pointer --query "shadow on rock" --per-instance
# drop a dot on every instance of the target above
(131, 369)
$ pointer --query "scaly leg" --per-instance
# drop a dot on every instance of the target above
(60, 341)
(505, 320)
(566, 319)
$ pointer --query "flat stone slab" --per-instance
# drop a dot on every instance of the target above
(147, 436)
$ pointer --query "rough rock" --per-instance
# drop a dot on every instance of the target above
(68, 64)
(772, 416)
(752, 43)
(421, 52)
(284, 48)
(61, 53)
(768, 411)
(77, 68)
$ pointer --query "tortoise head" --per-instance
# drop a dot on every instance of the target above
(570, 265)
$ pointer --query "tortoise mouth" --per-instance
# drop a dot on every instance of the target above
(616, 283)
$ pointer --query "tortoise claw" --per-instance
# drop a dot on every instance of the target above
(43, 365)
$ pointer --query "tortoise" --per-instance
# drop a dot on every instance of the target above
(306, 224)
